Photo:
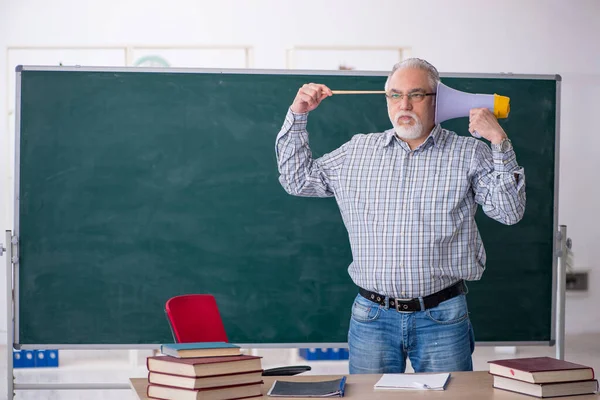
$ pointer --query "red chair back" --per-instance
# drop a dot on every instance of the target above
(195, 318)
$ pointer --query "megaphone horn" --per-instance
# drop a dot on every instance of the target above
(452, 103)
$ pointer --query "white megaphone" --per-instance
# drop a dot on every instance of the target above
(452, 103)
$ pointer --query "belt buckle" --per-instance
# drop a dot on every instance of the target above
(402, 307)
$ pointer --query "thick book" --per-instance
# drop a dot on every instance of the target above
(188, 382)
(201, 349)
(331, 388)
(541, 370)
(203, 366)
(244, 391)
(555, 389)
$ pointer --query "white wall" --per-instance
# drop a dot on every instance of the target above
(4, 168)
(519, 36)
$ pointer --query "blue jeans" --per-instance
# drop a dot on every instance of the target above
(439, 339)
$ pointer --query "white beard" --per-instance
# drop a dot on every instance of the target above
(407, 132)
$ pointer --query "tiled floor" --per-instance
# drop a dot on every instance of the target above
(117, 366)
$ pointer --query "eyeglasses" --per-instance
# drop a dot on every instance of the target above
(412, 97)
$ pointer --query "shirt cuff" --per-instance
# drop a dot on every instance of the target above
(294, 125)
(505, 162)
(293, 122)
(298, 118)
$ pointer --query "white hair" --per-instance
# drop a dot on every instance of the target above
(432, 72)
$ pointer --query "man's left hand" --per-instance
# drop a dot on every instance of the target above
(485, 123)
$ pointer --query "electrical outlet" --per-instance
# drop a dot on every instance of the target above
(577, 281)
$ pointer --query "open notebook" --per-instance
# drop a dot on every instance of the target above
(413, 381)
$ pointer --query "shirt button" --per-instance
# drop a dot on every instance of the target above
(403, 293)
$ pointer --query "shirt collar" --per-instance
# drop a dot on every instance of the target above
(436, 137)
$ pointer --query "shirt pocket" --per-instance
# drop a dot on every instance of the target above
(443, 197)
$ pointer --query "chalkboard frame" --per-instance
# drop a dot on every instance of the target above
(14, 285)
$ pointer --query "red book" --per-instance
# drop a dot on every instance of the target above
(203, 366)
(541, 370)
(219, 393)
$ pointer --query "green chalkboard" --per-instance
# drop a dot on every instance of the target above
(137, 186)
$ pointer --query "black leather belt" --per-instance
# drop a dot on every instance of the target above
(411, 305)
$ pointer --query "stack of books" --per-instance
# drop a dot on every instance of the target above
(203, 371)
(543, 377)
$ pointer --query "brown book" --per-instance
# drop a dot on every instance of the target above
(244, 391)
(546, 389)
(188, 382)
(541, 370)
(203, 366)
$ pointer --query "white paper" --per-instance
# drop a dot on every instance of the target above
(413, 381)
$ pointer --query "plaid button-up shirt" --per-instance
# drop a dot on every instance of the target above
(409, 214)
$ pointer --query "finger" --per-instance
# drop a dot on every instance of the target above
(312, 101)
(476, 117)
(310, 88)
(314, 92)
(326, 90)
(324, 95)
(315, 86)
(302, 95)
(472, 128)
(485, 113)
(322, 90)
(306, 87)
(308, 99)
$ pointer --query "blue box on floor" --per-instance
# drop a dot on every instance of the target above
(46, 358)
(35, 358)
(51, 358)
(311, 354)
(338, 354)
(40, 358)
(23, 359)
(323, 354)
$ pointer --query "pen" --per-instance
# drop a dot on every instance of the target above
(421, 385)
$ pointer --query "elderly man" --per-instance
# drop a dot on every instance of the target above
(408, 198)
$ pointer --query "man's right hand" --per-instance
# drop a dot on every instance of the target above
(309, 97)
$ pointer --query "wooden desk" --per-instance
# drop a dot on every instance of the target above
(462, 386)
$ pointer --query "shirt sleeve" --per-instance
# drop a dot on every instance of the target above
(499, 184)
(300, 175)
